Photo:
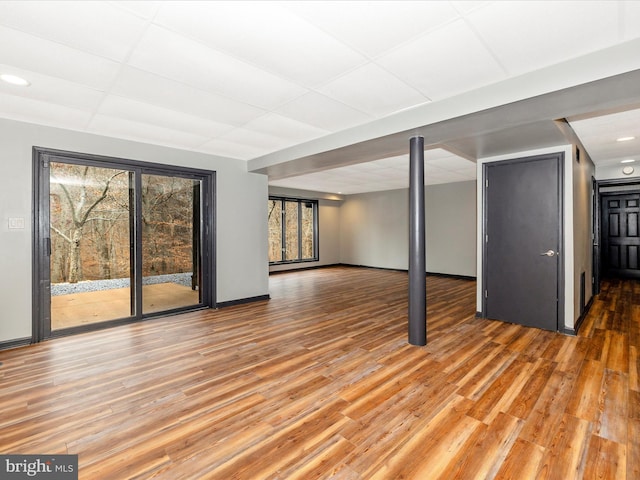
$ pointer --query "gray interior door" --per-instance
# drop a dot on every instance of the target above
(522, 241)
(621, 235)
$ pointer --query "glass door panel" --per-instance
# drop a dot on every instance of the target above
(307, 226)
(275, 230)
(171, 243)
(91, 238)
(291, 232)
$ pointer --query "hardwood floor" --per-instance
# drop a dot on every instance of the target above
(319, 382)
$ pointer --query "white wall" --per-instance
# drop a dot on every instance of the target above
(241, 241)
(577, 224)
(374, 229)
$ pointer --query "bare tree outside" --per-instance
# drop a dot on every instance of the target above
(275, 230)
(167, 225)
(91, 229)
(307, 225)
(89, 210)
(291, 231)
(297, 241)
(94, 224)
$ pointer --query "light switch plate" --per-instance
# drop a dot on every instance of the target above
(16, 223)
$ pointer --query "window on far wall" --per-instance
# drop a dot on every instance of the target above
(293, 230)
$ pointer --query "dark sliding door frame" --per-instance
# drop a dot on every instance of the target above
(41, 295)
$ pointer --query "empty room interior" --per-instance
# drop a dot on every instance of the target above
(335, 240)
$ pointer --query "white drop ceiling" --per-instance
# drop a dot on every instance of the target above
(273, 83)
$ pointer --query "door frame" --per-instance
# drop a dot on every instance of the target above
(41, 242)
(560, 158)
(599, 185)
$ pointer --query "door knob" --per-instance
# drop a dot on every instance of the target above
(549, 253)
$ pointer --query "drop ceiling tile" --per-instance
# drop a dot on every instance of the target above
(443, 63)
(49, 58)
(141, 132)
(278, 126)
(539, 34)
(379, 168)
(43, 113)
(258, 141)
(396, 174)
(120, 107)
(604, 132)
(323, 187)
(351, 179)
(323, 112)
(430, 169)
(238, 150)
(148, 87)
(94, 27)
(599, 135)
(438, 154)
(398, 162)
(349, 171)
(452, 163)
(396, 183)
(143, 8)
(334, 174)
(466, 6)
(268, 36)
(373, 90)
(441, 177)
(328, 185)
(365, 177)
(375, 27)
(52, 90)
(170, 55)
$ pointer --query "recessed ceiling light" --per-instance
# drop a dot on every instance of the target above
(627, 160)
(14, 80)
(625, 139)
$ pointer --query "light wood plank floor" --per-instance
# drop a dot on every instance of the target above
(319, 382)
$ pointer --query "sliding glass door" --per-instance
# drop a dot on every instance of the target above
(90, 235)
(170, 242)
(117, 241)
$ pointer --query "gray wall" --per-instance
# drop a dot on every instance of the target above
(241, 240)
(374, 229)
(582, 227)
(451, 228)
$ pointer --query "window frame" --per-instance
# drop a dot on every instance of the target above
(41, 294)
(283, 225)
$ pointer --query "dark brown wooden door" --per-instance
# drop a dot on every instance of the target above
(621, 235)
(522, 243)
